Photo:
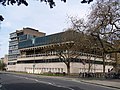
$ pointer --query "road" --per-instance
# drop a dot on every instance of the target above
(10, 81)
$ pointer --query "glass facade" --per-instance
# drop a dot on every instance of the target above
(50, 39)
(22, 37)
(25, 44)
(25, 37)
(45, 40)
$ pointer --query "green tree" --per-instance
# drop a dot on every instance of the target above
(2, 65)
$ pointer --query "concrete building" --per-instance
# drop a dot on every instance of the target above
(41, 55)
(15, 38)
(5, 60)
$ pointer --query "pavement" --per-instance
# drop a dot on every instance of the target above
(108, 83)
(112, 83)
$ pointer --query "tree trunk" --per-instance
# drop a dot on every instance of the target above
(89, 67)
(103, 64)
(68, 68)
(116, 65)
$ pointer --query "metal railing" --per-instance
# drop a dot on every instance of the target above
(35, 55)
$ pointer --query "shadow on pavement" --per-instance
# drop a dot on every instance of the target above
(31, 86)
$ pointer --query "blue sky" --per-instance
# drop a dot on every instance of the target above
(39, 16)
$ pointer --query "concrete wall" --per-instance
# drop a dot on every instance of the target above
(11, 67)
(42, 67)
(56, 67)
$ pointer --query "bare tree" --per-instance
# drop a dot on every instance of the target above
(75, 44)
(104, 24)
(1, 18)
(50, 2)
(70, 49)
(90, 43)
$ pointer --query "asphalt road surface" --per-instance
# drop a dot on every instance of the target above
(10, 81)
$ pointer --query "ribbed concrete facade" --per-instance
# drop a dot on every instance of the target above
(54, 67)
(43, 56)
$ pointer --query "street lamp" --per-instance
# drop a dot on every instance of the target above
(33, 42)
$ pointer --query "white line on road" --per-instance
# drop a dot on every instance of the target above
(53, 84)
(49, 83)
(0, 86)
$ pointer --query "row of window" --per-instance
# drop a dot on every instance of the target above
(11, 63)
(25, 37)
(12, 35)
(11, 43)
(13, 52)
(22, 37)
(49, 53)
(25, 44)
(84, 61)
(45, 40)
(45, 69)
(55, 38)
(13, 57)
(14, 39)
(13, 47)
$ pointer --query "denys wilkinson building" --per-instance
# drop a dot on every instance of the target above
(32, 51)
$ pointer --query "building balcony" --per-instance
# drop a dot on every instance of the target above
(13, 35)
(36, 57)
(53, 57)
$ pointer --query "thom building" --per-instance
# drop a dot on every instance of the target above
(55, 53)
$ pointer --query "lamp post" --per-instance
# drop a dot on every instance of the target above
(33, 42)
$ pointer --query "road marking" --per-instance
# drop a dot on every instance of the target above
(74, 80)
(0, 86)
(63, 87)
(49, 83)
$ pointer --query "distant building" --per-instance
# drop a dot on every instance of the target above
(15, 38)
(5, 60)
